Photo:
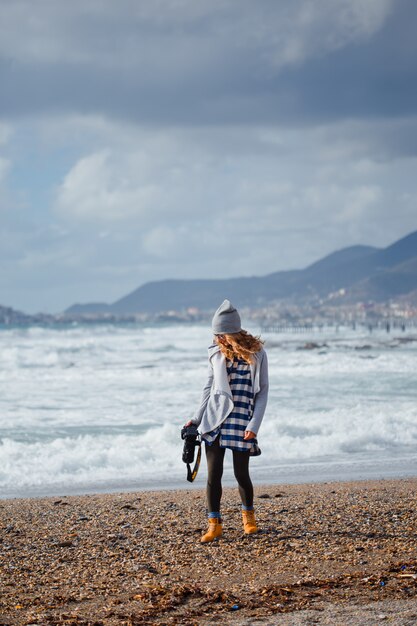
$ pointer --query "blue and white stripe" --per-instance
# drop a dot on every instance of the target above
(233, 428)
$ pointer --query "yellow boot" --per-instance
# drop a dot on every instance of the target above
(215, 530)
(249, 522)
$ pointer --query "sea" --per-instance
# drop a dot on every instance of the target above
(99, 408)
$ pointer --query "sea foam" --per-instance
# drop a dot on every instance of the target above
(88, 408)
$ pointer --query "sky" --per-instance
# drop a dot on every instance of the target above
(149, 139)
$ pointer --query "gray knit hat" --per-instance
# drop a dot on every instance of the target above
(226, 320)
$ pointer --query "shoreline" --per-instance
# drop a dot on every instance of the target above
(136, 558)
(317, 470)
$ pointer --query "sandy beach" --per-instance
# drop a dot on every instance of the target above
(332, 553)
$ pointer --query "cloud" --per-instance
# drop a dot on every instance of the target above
(4, 168)
(96, 189)
(6, 165)
(185, 62)
(179, 193)
(161, 33)
(213, 187)
(144, 176)
(5, 133)
(246, 136)
(304, 30)
(162, 242)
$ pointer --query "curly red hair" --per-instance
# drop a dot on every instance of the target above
(241, 345)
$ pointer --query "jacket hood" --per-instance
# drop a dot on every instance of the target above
(213, 349)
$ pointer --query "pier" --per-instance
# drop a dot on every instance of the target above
(307, 327)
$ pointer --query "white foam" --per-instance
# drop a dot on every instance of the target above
(85, 459)
(83, 406)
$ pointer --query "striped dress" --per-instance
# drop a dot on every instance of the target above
(233, 428)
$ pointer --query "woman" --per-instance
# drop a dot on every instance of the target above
(231, 411)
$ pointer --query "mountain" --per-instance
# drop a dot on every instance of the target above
(337, 270)
(91, 307)
(397, 281)
(362, 272)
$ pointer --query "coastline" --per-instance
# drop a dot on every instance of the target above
(135, 558)
(348, 468)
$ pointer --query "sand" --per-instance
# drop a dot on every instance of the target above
(333, 553)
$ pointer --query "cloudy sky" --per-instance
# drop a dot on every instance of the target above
(151, 139)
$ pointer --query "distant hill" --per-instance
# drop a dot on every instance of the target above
(96, 307)
(11, 317)
(397, 281)
(363, 272)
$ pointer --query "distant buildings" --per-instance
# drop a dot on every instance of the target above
(284, 315)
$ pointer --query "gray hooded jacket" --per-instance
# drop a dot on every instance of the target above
(217, 400)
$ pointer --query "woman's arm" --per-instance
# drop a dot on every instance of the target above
(261, 398)
(198, 416)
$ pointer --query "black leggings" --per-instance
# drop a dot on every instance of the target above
(215, 457)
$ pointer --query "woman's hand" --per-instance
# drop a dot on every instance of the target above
(188, 423)
(249, 435)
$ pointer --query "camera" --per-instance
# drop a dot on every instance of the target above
(191, 439)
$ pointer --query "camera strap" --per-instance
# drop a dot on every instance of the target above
(192, 473)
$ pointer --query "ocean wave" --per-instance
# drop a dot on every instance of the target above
(85, 405)
(155, 453)
(87, 459)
